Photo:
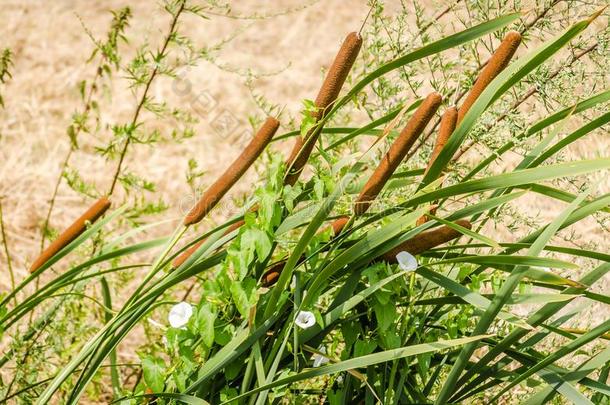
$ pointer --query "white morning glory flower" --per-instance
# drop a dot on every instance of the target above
(318, 359)
(179, 314)
(305, 319)
(406, 261)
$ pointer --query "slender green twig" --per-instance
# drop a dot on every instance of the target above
(6, 251)
(108, 54)
(459, 95)
(162, 53)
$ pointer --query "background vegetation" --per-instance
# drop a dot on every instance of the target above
(149, 122)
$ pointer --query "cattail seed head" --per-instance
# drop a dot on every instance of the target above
(498, 61)
(337, 74)
(237, 169)
(72, 232)
(272, 274)
(448, 123)
(327, 95)
(182, 257)
(426, 240)
(338, 225)
(397, 152)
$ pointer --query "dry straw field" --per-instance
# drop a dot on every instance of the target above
(226, 73)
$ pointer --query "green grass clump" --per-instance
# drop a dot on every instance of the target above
(417, 298)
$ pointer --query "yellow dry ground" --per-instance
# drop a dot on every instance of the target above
(50, 51)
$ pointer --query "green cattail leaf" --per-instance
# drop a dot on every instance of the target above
(365, 361)
(471, 297)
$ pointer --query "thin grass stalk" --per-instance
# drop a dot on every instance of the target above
(7, 253)
(327, 95)
(72, 232)
(170, 36)
(242, 163)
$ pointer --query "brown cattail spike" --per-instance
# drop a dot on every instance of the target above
(397, 152)
(448, 123)
(426, 240)
(72, 232)
(338, 225)
(498, 61)
(272, 274)
(337, 74)
(326, 97)
(224, 183)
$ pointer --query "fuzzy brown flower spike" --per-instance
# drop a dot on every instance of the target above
(448, 123)
(326, 97)
(498, 61)
(426, 240)
(397, 152)
(74, 231)
(228, 179)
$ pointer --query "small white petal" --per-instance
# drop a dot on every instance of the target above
(179, 314)
(406, 261)
(318, 359)
(305, 319)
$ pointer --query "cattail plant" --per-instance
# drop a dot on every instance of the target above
(72, 232)
(327, 95)
(227, 180)
(448, 123)
(496, 64)
(397, 152)
(498, 61)
(388, 165)
(216, 191)
(395, 155)
(426, 241)
(329, 92)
